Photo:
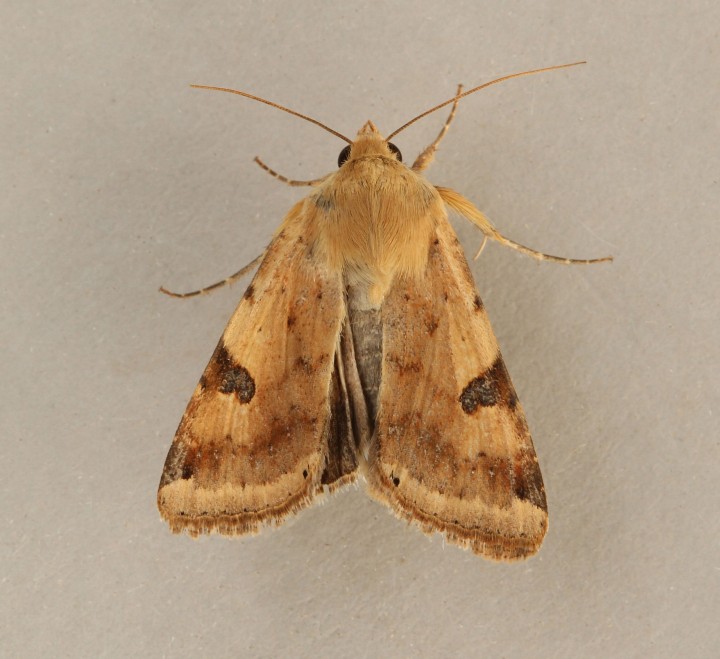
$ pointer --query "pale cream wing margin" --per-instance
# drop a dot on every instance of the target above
(253, 443)
(452, 449)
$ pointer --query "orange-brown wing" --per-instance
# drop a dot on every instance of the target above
(452, 449)
(253, 443)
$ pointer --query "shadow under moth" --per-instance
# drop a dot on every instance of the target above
(361, 347)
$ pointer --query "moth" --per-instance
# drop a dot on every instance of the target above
(361, 348)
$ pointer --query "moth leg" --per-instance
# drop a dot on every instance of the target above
(467, 209)
(284, 179)
(480, 250)
(240, 273)
(423, 161)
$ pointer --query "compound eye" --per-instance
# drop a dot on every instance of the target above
(344, 155)
(395, 150)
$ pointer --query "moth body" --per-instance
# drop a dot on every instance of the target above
(362, 347)
(375, 216)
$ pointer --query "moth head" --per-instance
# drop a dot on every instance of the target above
(369, 142)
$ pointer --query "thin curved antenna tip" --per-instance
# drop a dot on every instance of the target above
(479, 87)
(275, 105)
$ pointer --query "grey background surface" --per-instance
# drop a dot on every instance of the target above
(117, 177)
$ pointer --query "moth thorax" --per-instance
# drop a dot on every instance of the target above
(376, 219)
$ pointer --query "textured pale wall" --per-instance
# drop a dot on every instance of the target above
(117, 178)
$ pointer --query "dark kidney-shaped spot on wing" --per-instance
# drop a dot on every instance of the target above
(228, 377)
(238, 380)
(491, 388)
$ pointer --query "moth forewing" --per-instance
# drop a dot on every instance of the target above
(255, 439)
(452, 450)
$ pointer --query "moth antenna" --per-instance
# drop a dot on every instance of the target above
(457, 97)
(275, 105)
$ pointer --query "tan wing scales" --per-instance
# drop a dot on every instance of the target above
(253, 443)
(452, 449)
